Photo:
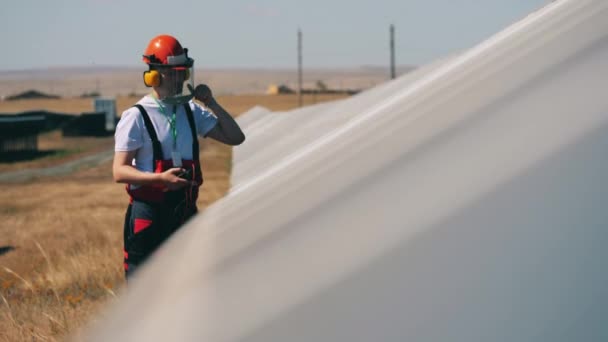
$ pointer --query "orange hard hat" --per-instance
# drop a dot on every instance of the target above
(166, 51)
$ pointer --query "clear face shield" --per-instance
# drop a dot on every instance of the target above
(174, 84)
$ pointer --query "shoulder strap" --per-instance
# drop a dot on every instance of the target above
(195, 148)
(156, 146)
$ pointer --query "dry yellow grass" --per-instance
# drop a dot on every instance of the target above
(61, 246)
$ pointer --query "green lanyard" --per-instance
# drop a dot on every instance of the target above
(172, 122)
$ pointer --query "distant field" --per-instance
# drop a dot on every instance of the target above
(233, 103)
(121, 82)
(61, 246)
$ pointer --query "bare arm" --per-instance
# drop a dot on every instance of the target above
(124, 172)
(226, 130)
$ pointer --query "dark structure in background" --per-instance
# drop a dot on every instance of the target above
(19, 134)
(99, 123)
(86, 125)
(52, 120)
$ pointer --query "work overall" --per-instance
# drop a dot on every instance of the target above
(154, 213)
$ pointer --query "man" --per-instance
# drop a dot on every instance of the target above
(156, 149)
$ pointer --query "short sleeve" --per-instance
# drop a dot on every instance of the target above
(205, 120)
(129, 131)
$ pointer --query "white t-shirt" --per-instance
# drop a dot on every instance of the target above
(131, 133)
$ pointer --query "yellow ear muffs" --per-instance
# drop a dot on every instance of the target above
(151, 78)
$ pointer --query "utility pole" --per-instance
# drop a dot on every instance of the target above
(392, 43)
(300, 67)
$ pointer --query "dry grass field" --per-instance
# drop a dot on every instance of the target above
(61, 246)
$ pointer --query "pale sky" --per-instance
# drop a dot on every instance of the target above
(248, 34)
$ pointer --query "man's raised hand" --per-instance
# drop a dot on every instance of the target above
(202, 93)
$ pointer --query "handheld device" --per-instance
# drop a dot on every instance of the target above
(186, 174)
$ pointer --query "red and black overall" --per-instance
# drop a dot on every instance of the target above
(154, 213)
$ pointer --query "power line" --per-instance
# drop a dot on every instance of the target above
(300, 67)
(392, 46)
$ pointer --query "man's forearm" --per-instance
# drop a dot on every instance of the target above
(229, 127)
(131, 175)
